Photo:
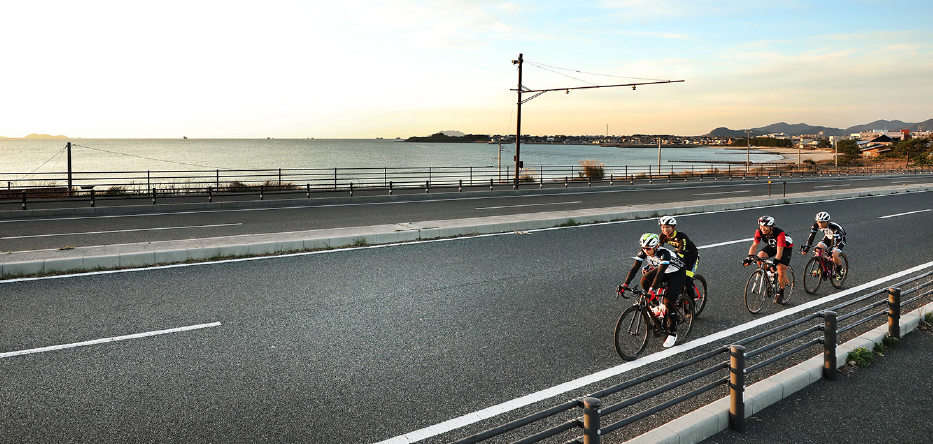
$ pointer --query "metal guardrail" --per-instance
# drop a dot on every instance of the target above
(592, 413)
(156, 185)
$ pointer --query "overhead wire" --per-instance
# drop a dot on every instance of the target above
(144, 157)
(43, 163)
(542, 66)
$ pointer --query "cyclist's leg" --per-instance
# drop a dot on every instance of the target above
(675, 285)
(836, 250)
(691, 260)
(782, 271)
(648, 278)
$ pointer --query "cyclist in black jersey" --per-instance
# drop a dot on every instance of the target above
(834, 239)
(683, 246)
(779, 245)
(669, 267)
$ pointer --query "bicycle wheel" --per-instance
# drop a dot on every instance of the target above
(686, 313)
(631, 334)
(844, 272)
(789, 288)
(699, 287)
(756, 291)
(812, 275)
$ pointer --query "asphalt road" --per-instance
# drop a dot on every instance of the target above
(38, 233)
(366, 344)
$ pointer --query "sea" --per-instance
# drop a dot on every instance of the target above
(34, 158)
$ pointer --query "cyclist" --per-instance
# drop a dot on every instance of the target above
(834, 237)
(779, 246)
(683, 246)
(669, 268)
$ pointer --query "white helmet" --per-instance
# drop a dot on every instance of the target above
(822, 216)
(649, 240)
(667, 220)
(767, 221)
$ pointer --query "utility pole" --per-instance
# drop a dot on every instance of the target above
(538, 92)
(518, 124)
(69, 168)
(748, 145)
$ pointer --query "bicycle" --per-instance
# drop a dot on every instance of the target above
(763, 284)
(631, 332)
(699, 293)
(821, 268)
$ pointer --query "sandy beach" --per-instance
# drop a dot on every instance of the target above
(791, 154)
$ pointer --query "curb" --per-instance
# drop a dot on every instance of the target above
(713, 418)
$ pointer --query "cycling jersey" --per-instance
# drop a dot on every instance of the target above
(684, 247)
(777, 238)
(666, 262)
(834, 236)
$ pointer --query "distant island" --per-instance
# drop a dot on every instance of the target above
(38, 136)
(451, 137)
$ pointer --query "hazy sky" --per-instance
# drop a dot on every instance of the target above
(328, 69)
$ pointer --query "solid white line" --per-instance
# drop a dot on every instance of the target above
(528, 205)
(105, 340)
(119, 231)
(723, 192)
(507, 406)
(831, 186)
(904, 214)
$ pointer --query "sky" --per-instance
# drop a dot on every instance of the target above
(365, 69)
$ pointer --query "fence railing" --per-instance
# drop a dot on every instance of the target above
(92, 186)
(593, 414)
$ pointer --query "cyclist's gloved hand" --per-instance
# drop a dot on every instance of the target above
(653, 293)
(751, 258)
(622, 288)
(804, 249)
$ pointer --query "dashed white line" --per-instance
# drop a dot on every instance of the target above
(722, 192)
(904, 214)
(528, 205)
(106, 340)
(132, 230)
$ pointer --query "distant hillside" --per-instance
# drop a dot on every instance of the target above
(442, 137)
(44, 136)
(803, 128)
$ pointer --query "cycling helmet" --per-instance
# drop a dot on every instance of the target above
(649, 240)
(667, 220)
(767, 221)
(822, 216)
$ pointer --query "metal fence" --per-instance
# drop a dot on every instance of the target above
(728, 367)
(209, 183)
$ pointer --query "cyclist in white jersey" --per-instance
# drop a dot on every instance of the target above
(667, 266)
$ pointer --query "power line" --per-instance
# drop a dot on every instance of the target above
(144, 157)
(43, 163)
(542, 65)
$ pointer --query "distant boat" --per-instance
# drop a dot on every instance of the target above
(379, 138)
(184, 137)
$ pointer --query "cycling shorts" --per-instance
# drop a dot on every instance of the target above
(772, 251)
(827, 241)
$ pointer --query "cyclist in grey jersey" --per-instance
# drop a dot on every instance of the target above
(669, 268)
(834, 238)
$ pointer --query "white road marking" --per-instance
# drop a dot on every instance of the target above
(528, 205)
(904, 214)
(105, 340)
(725, 243)
(84, 233)
(831, 186)
(513, 404)
(722, 192)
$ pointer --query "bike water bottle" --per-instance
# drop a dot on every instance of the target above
(659, 310)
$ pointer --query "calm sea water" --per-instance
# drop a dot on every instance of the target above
(24, 156)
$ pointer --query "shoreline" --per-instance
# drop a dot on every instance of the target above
(816, 155)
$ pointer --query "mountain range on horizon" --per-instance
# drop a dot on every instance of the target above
(803, 128)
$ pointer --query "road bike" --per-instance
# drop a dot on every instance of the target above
(699, 293)
(643, 318)
(763, 284)
(821, 268)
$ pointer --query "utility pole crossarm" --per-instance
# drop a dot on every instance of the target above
(598, 86)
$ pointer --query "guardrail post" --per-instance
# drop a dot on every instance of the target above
(92, 198)
(894, 312)
(24, 199)
(490, 184)
(390, 188)
(589, 181)
(591, 426)
(460, 188)
(784, 192)
(610, 179)
(769, 188)
(308, 186)
(351, 189)
(737, 388)
(427, 186)
(210, 194)
(261, 190)
(565, 181)
(153, 195)
(829, 345)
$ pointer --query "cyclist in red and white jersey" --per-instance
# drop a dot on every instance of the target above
(779, 245)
